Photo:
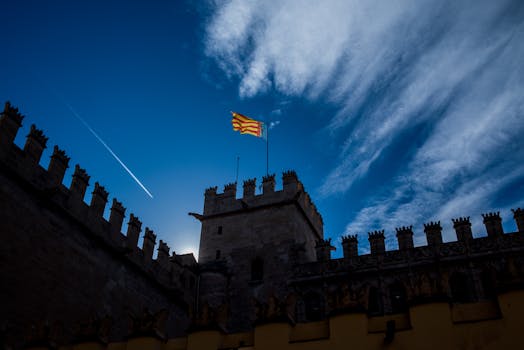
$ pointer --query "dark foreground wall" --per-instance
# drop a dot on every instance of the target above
(63, 265)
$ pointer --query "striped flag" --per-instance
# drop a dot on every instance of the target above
(247, 125)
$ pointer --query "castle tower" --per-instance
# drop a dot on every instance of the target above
(350, 246)
(376, 242)
(462, 227)
(254, 238)
(405, 237)
(493, 224)
(433, 232)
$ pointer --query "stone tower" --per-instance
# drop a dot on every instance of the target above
(257, 239)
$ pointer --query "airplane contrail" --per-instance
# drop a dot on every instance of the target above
(108, 148)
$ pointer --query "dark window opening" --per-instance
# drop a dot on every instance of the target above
(374, 302)
(461, 287)
(219, 231)
(313, 307)
(217, 255)
(488, 284)
(397, 297)
(257, 269)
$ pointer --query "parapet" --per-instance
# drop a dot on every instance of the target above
(99, 200)
(493, 224)
(292, 192)
(80, 182)
(57, 166)
(405, 237)
(376, 242)
(10, 122)
(230, 190)
(35, 144)
(433, 230)
(350, 246)
(323, 249)
(116, 218)
(268, 184)
(148, 245)
(463, 228)
(23, 166)
(518, 215)
(350, 239)
(249, 188)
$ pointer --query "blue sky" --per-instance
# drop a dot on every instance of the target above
(391, 114)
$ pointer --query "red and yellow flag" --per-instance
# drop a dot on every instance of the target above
(247, 125)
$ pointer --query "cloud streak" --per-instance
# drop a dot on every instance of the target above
(452, 68)
(117, 158)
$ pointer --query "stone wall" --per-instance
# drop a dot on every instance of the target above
(62, 265)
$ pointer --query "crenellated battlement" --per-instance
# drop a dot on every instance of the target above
(377, 243)
(405, 237)
(492, 215)
(323, 249)
(35, 144)
(350, 246)
(37, 135)
(433, 231)
(518, 215)
(461, 221)
(462, 228)
(292, 192)
(324, 242)
(432, 225)
(22, 166)
(349, 238)
(502, 244)
(12, 113)
(493, 223)
(377, 234)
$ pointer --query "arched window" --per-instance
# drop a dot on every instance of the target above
(374, 301)
(257, 269)
(397, 298)
(313, 306)
(461, 288)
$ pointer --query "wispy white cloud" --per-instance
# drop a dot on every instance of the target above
(454, 67)
(273, 124)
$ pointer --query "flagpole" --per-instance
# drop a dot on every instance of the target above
(267, 151)
(238, 162)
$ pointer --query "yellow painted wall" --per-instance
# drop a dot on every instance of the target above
(429, 326)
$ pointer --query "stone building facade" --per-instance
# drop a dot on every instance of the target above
(265, 278)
